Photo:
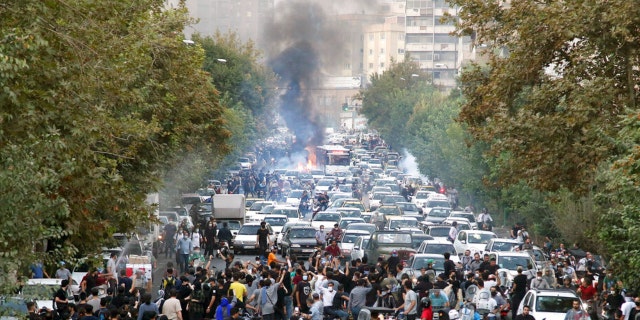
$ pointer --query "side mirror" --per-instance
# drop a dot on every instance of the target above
(356, 248)
(463, 241)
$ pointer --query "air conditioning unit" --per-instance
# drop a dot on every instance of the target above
(436, 57)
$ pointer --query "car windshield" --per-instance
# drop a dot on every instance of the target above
(325, 183)
(353, 205)
(503, 246)
(439, 232)
(275, 222)
(234, 225)
(351, 237)
(257, 206)
(407, 206)
(371, 228)
(422, 195)
(327, 217)
(512, 263)
(302, 233)
(437, 203)
(267, 209)
(379, 195)
(252, 230)
(439, 248)
(395, 238)
(480, 237)
(554, 304)
(350, 213)
(403, 224)
(392, 199)
(439, 213)
(419, 262)
(469, 217)
(389, 211)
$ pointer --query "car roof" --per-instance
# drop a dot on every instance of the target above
(478, 231)
(401, 218)
(44, 281)
(437, 241)
(357, 232)
(505, 240)
(510, 253)
(253, 224)
(555, 292)
(302, 227)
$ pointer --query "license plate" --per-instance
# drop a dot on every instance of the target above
(249, 247)
(307, 250)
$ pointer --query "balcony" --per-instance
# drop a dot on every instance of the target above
(414, 47)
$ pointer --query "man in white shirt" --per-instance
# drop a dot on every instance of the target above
(327, 295)
(453, 232)
(171, 307)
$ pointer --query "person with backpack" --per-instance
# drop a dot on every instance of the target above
(223, 311)
(169, 282)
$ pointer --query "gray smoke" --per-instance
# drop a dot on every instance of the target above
(303, 39)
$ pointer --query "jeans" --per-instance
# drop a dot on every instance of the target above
(355, 311)
(336, 313)
(288, 305)
(184, 262)
(410, 316)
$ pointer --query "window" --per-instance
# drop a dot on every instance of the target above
(371, 37)
(381, 50)
(347, 66)
(381, 64)
(370, 65)
(382, 36)
(370, 52)
(401, 51)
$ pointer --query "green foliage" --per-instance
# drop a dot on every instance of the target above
(549, 107)
(99, 101)
(390, 99)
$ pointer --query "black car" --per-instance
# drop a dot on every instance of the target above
(299, 241)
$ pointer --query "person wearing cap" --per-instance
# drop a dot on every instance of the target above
(538, 282)
(63, 272)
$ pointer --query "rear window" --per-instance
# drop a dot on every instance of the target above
(439, 232)
(245, 230)
(554, 304)
(396, 238)
(302, 233)
(277, 222)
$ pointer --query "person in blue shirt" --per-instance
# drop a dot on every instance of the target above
(37, 271)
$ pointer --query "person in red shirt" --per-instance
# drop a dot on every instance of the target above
(427, 310)
(334, 250)
(586, 290)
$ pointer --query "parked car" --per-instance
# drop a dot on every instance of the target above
(474, 240)
(246, 238)
(299, 241)
(288, 226)
(369, 227)
(400, 222)
(437, 231)
(42, 291)
(437, 247)
(382, 243)
(349, 239)
(417, 239)
(437, 215)
(292, 213)
(501, 244)
(326, 219)
(345, 222)
(551, 304)
(467, 215)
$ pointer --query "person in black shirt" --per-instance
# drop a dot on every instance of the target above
(493, 267)
(525, 314)
(60, 298)
(303, 290)
(224, 234)
(392, 262)
(485, 263)
(449, 266)
(262, 240)
(210, 231)
(518, 290)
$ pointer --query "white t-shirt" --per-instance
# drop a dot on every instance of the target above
(195, 239)
(409, 297)
(327, 297)
(111, 264)
(171, 308)
(626, 309)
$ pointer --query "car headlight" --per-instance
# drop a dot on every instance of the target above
(295, 246)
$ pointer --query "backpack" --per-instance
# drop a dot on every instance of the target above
(226, 313)
(167, 285)
(103, 314)
(484, 302)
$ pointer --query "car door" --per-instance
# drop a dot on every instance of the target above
(460, 244)
(285, 243)
(358, 251)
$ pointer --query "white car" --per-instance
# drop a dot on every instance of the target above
(349, 239)
(359, 246)
(293, 198)
(324, 185)
(276, 221)
(467, 215)
(292, 213)
(247, 237)
(326, 219)
(42, 290)
(473, 240)
(509, 263)
(252, 214)
(551, 304)
(245, 163)
(437, 246)
(376, 199)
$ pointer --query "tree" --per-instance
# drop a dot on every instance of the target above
(99, 101)
(549, 99)
(389, 101)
